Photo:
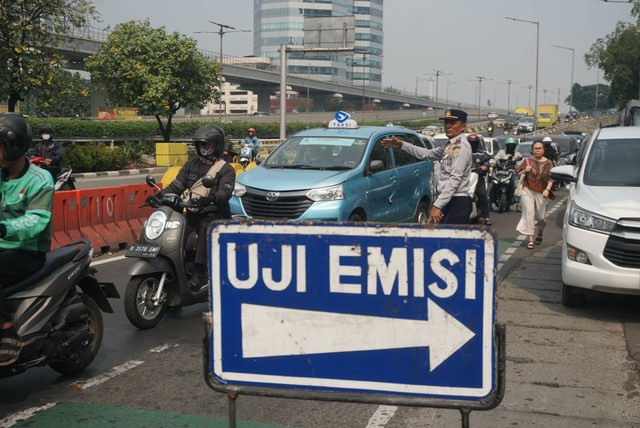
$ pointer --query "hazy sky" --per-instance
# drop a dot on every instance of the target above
(465, 38)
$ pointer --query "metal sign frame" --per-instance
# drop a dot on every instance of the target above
(493, 335)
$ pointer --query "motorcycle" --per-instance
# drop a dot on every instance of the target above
(502, 185)
(490, 130)
(246, 155)
(57, 312)
(64, 180)
(165, 253)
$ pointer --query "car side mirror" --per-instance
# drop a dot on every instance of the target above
(376, 165)
(208, 181)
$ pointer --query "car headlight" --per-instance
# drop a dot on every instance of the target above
(584, 219)
(332, 193)
(155, 224)
(239, 190)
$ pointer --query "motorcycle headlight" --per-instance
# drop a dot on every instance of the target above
(584, 219)
(155, 224)
(239, 190)
(332, 193)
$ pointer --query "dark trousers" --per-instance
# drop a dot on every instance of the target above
(16, 265)
(481, 197)
(201, 223)
(457, 211)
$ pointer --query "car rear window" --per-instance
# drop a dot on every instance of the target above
(613, 163)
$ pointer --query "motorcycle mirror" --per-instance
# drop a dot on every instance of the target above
(207, 181)
(150, 180)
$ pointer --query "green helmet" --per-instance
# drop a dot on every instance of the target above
(511, 140)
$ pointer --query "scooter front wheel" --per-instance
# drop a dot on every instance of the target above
(139, 304)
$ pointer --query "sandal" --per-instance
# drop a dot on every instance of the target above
(518, 207)
(530, 245)
(538, 240)
(10, 347)
(488, 222)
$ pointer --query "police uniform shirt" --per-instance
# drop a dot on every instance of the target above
(455, 167)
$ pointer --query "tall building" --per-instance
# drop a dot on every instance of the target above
(278, 22)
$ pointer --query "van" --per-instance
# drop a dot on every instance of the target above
(338, 174)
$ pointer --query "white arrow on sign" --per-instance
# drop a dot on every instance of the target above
(269, 331)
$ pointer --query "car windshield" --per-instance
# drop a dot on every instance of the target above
(317, 153)
(524, 149)
(513, 118)
(526, 120)
(613, 163)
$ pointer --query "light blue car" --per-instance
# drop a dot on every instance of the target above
(344, 174)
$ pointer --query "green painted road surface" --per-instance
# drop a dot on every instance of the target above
(78, 415)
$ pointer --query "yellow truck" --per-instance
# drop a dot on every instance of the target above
(547, 115)
(525, 111)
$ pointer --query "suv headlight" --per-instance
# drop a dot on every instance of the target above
(332, 193)
(154, 225)
(584, 219)
(239, 190)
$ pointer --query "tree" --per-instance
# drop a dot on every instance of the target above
(618, 56)
(159, 73)
(584, 97)
(28, 31)
(66, 95)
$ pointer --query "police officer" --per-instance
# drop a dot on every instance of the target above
(453, 205)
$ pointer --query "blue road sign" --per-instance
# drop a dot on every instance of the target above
(354, 308)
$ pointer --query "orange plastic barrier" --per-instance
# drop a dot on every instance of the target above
(65, 221)
(110, 217)
(136, 216)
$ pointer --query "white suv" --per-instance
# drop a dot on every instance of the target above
(601, 248)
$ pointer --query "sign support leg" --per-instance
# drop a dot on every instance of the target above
(232, 396)
(465, 417)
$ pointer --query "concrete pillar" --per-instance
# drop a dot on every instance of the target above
(264, 100)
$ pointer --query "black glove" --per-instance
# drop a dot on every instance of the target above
(205, 201)
(152, 201)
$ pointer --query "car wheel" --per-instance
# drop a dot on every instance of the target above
(356, 218)
(422, 215)
(571, 297)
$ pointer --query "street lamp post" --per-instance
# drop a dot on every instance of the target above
(364, 64)
(537, 23)
(221, 32)
(438, 73)
(573, 52)
(480, 79)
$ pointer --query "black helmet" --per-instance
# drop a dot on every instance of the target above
(15, 135)
(474, 141)
(209, 134)
(46, 129)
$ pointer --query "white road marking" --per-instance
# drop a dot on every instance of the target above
(82, 385)
(382, 416)
(163, 348)
(10, 421)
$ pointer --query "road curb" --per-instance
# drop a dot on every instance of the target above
(141, 171)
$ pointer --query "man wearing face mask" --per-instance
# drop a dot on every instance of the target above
(209, 141)
(49, 150)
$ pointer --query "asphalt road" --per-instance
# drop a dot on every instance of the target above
(161, 369)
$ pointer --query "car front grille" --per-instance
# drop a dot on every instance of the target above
(275, 205)
(623, 246)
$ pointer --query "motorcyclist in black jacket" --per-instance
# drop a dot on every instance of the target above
(209, 141)
(50, 150)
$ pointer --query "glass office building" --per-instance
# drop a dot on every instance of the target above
(278, 22)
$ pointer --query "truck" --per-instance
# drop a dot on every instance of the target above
(525, 111)
(547, 115)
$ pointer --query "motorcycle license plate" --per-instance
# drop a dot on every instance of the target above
(143, 251)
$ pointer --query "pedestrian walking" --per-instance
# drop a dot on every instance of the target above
(536, 192)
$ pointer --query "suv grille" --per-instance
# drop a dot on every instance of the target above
(287, 205)
(623, 246)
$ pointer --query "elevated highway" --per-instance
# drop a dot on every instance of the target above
(264, 79)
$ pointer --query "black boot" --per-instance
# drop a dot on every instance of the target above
(199, 279)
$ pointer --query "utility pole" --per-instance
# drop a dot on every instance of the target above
(221, 32)
(509, 82)
(438, 74)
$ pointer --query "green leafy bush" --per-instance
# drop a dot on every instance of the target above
(93, 157)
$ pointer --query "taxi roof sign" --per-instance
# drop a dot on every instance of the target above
(342, 119)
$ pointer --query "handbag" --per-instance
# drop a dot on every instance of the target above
(520, 185)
